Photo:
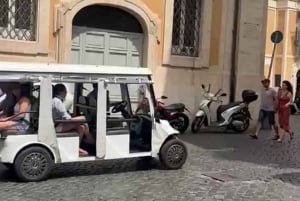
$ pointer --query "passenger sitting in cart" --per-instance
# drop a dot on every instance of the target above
(143, 102)
(59, 112)
(93, 94)
(16, 118)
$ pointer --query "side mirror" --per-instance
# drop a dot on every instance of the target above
(223, 94)
(164, 97)
(203, 87)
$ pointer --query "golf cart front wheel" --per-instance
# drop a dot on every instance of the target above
(173, 154)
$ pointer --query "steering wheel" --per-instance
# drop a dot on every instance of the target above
(119, 106)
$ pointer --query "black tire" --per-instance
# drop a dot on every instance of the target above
(197, 124)
(173, 154)
(184, 124)
(240, 117)
(293, 109)
(33, 164)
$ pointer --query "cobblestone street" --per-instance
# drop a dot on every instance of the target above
(220, 167)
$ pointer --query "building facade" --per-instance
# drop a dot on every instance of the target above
(283, 15)
(184, 42)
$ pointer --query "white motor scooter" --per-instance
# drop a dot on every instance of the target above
(234, 116)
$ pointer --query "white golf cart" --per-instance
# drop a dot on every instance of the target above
(119, 133)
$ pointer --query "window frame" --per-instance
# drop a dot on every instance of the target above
(202, 61)
(181, 38)
(41, 43)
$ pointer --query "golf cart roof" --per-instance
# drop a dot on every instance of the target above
(47, 68)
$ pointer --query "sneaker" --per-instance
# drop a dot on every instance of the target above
(253, 136)
(276, 137)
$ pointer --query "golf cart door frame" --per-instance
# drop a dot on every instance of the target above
(46, 129)
(101, 119)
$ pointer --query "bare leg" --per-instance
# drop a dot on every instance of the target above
(7, 125)
(258, 127)
(85, 131)
(281, 137)
(276, 132)
(68, 127)
(88, 137)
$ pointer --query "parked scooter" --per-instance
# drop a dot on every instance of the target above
(174, 113)
(234, 116)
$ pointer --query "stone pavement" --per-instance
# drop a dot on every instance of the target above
(220, 167)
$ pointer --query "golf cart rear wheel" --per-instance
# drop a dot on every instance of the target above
(33, 164)
(173, 154)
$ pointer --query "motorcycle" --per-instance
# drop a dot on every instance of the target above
(234, 116)
(173, 113)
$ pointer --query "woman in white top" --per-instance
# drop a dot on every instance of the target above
(21, 119)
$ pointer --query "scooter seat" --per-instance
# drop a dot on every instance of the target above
(175, 107)
(223, 108)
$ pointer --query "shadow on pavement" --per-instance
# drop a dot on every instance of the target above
(90, 168)
(103, 167)
(291, 178)
(240, 147)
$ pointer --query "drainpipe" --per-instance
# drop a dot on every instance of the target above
(233, 51)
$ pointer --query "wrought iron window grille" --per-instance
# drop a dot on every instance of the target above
(18, 19)
(186, 28)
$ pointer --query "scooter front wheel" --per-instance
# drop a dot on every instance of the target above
(197, 124)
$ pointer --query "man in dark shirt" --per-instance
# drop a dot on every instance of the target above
(7, 105)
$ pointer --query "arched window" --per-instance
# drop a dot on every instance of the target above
(109, 18)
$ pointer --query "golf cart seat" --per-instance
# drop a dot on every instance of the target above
(175, 107)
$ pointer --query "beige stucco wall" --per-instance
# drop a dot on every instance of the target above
(179, 83)
(185, 84)
(271, 26)
(283, 16)
(252, 39)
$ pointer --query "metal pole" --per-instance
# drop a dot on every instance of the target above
(272, 58)
(234, 51)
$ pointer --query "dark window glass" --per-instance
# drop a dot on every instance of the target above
(3, 13)
(18, 19)
(277, 80)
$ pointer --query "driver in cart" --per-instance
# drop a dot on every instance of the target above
(143, 102)
(59, 112)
